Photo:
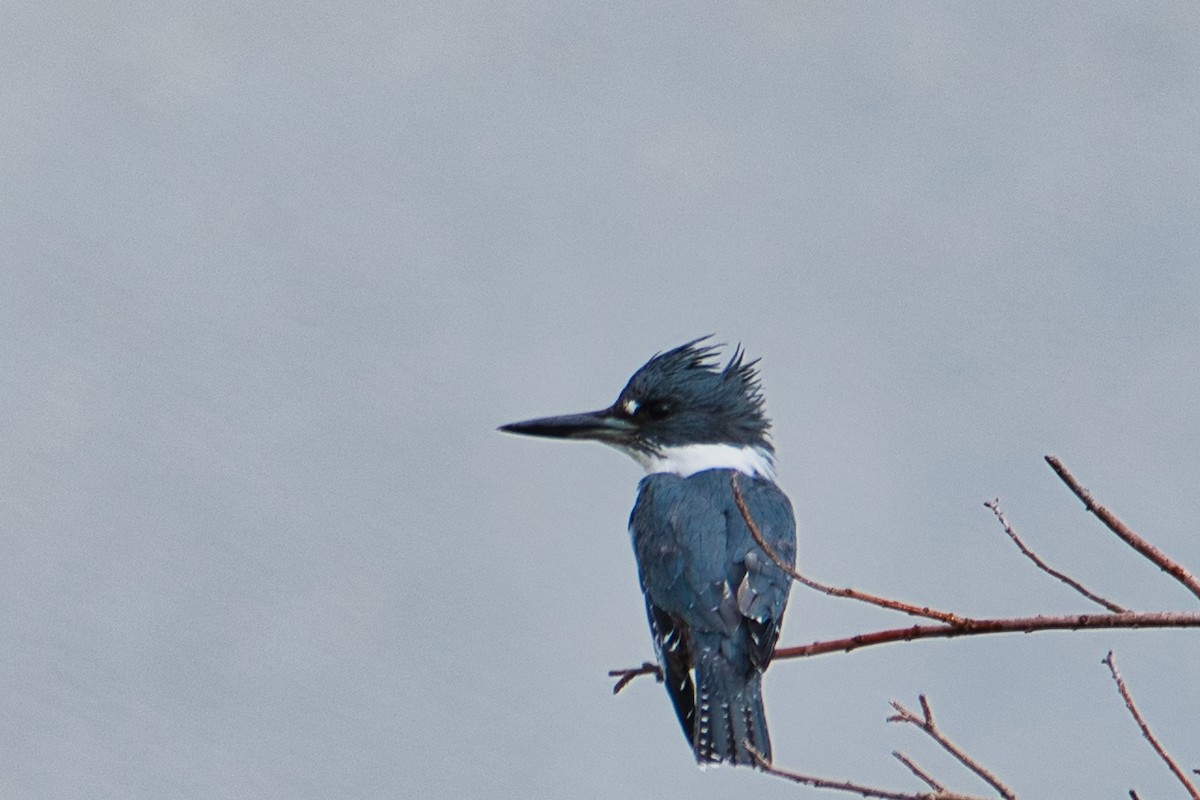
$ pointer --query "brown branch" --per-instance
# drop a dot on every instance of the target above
(921, 774)
(850, 786)
(833, 591)
(1146, 732)
(927, 724)
(977, 627)
(994, 505)
(939, 791)
(974, 627)
(624, 676)
(1147, 550)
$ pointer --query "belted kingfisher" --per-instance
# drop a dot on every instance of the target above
(714, 599)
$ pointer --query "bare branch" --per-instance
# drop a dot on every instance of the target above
(1146, 732)
(833, 591)
(927, 724)
(1147, 550)
(921, 774)
(977, 627)
(850, 786)
(994, 505)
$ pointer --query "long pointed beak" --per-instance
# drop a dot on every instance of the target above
(603, 426)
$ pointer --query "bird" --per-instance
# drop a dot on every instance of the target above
(714, 598)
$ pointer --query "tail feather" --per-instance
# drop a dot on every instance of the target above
(730, 720)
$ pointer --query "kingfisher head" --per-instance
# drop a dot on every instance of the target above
(681, 412)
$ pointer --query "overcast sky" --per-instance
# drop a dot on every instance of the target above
(274, 272)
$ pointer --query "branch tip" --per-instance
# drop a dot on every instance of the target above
(1124, 532)
(1147, 734)
(994, 506)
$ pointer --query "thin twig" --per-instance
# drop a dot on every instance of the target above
(1149, 551)
(850, 786)
(927, 724)
(833, 591)
(1146, 732)
(921, 774)
(994, 505)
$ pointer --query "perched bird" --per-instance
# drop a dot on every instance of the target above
(714, 599)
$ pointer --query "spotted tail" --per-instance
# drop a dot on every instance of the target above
(729, 713)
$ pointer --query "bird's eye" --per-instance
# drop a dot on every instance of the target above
(657, 409)
(645, 410)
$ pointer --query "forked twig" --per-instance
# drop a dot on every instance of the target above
(1147, 550)
(994, 506)
(624, 676)
(1146, 732)
(851, 786)
(927, 724)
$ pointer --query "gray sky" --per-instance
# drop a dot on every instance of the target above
(273, 273)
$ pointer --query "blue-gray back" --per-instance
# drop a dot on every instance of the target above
(699, 564)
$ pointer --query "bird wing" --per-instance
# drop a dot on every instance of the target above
(675, 657)
(762, 586)
(679, 541)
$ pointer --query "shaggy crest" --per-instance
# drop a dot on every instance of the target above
(684, 396)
